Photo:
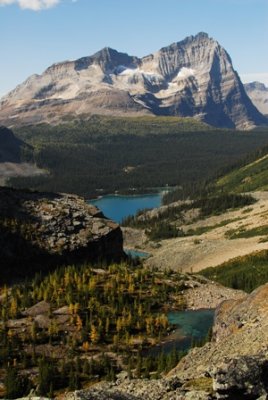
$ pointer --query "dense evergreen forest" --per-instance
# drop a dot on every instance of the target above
(107, 154)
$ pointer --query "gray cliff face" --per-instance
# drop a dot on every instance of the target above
(43, 230)
(194, 77)
(202, 82)
(258, 93)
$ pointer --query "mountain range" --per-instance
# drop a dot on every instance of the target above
(191, 78)
(258, 93)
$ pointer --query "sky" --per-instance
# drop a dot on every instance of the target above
(37, 33)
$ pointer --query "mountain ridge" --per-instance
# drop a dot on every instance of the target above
(190, 78)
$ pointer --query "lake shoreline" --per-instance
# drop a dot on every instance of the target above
(187, 327)
(130, 193)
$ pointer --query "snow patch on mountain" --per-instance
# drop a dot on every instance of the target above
(185, 73)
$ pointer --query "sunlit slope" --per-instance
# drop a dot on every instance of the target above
(251, 177)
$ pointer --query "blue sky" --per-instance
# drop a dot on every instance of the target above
(36, 33)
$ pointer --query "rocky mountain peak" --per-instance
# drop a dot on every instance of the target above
(190, 78)
(108, 59)
(199, 37)
(194, 53)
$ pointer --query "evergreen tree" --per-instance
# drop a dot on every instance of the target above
(74, 382)
(46, 377)
(15, 385)
(161, 362)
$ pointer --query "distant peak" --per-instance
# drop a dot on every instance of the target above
(106, 51)
(107, 58)
(201, 35)
(256, 86)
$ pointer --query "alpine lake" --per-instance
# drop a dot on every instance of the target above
(189, 325)
(117, 207)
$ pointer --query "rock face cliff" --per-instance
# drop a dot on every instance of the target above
(193, 78)
(41, 230)
(258, 93)
(234, 366)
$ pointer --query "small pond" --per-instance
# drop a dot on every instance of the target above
(190, 324)
(136, 253)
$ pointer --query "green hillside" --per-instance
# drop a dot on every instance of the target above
(251, 177)
(245, 273)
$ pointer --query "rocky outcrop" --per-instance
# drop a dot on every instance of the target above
(42, 229)
(241, 378)
(190, 78)
(258, 94)
(140, 389)
(207, 294)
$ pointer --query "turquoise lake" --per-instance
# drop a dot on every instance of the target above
(117, 207)
(136, 253)
(190, 324)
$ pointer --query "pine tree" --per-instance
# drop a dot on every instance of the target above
(15, 385)
(74, 382)
(46, 377)
(161, 362)
(129, 371)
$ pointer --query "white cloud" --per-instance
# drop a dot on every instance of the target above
(35, 5)
(251, 77)
(5, 2)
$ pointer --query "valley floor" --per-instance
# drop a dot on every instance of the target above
(221, 241)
